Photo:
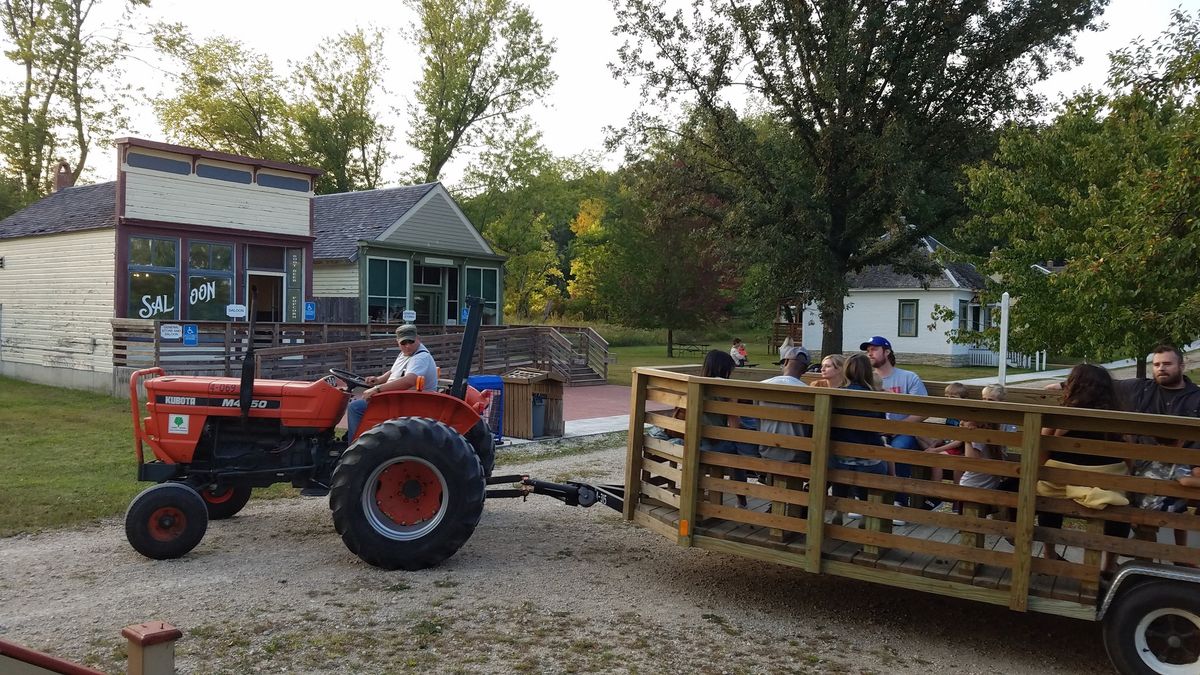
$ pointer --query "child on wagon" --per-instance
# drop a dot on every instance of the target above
(948, 446)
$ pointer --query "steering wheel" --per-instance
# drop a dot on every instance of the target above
(349, 378)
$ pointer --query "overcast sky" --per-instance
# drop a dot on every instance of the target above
(586, 97)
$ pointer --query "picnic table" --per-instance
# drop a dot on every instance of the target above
(692, 347)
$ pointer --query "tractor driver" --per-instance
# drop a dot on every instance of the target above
(414, 361)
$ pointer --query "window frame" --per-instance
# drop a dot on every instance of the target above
(386, 297)
(212, 273)
(900, 319)
(132, 268)
(494, 305)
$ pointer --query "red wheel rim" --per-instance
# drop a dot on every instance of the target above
(409, 493)
(217, 497)
(167, 523)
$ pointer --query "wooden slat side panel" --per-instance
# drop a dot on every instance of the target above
(897, 541)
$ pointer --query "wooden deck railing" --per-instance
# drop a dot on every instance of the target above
(683, 489)
(308, 350)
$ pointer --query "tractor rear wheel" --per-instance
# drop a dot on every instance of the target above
(225, 502)
(407, 494)
(481, 438)
(166, 521)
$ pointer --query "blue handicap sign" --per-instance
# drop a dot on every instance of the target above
(191, 335)
(310, 311)
(463, 320)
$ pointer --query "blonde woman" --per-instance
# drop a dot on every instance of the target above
(831, 372)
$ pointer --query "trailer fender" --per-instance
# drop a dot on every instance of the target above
(1131, 574)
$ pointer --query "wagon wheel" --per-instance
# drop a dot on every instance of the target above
(408, 494)
(166, 521)
(1154, 628)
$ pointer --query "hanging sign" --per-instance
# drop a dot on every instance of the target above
(170, 331)
(235, 311)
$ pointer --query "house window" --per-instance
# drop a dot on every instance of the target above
(452, 294)
(223, 173)
(210, 280)
(908, 319)
(284, 182)
(156, 163)
(153, 278)
(964, 308)
(387, 290)
(427, 276)
(485, 283)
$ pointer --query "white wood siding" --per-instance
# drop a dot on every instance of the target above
(192, 200)
(335, 281)
(437, 223)
(56, 294)
(878, 312)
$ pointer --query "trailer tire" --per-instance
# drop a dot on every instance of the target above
(166, 521)
(1154, 629)
(481, 439)
(225, 502)
(407, 494)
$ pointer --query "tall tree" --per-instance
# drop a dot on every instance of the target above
(864, 114)
(589, 253)
(69, 93)
(485, 60)
(663, 268)
(531, 271)
(336, 111)
(1109, 189)
(228, 97)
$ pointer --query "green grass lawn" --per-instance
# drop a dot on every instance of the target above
(656, 355)
(66, 457)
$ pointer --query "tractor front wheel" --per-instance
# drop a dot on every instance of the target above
(166, 521)
(407, 494)
(225, 502)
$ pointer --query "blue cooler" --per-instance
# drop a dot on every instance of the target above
(495, 412)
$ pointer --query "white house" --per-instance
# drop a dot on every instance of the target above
(899, 307)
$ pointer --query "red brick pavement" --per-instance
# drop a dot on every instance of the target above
(581, 403)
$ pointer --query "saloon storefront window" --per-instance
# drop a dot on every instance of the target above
(210, 280)
(153, 278)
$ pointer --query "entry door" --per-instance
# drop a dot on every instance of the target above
(269, 302)
(427, 305)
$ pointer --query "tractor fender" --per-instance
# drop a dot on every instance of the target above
(453, 412)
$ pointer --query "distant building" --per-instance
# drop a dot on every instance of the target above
(898, 306)
(183, 233)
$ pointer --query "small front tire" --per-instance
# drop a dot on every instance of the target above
(166, 521)
(1153, 628)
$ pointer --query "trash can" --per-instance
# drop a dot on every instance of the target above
(494, 414)
(539, 415)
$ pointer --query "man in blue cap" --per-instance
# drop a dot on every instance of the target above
(898, 381)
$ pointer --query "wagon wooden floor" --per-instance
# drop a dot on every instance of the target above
(895, 560)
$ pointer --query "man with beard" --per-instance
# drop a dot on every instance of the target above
(898, 381)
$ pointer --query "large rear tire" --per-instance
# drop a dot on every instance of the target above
(407, 494)
(1154, 629)
(225, 502)
(166, 521)
(481, 439)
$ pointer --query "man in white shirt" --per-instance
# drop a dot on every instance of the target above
(414, 361)
(794, 361)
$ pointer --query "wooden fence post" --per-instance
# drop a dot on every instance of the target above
(1031, 439)
(151, 647)
(637, 431)
(689, 490)
(817, 483)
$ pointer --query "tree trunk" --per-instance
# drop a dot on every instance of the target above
(1140, 360)
(832, 308)
(670, 343)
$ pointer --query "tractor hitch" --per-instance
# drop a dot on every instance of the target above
(571, 493)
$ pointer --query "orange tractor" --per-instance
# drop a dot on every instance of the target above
(406, 492)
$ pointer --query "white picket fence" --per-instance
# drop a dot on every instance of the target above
(989, 358)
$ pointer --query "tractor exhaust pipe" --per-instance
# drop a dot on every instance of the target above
(467, 351)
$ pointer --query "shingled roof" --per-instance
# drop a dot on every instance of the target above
(85, 207)
(340, 221)
(954, 275)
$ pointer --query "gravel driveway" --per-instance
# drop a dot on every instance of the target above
(540, 587)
